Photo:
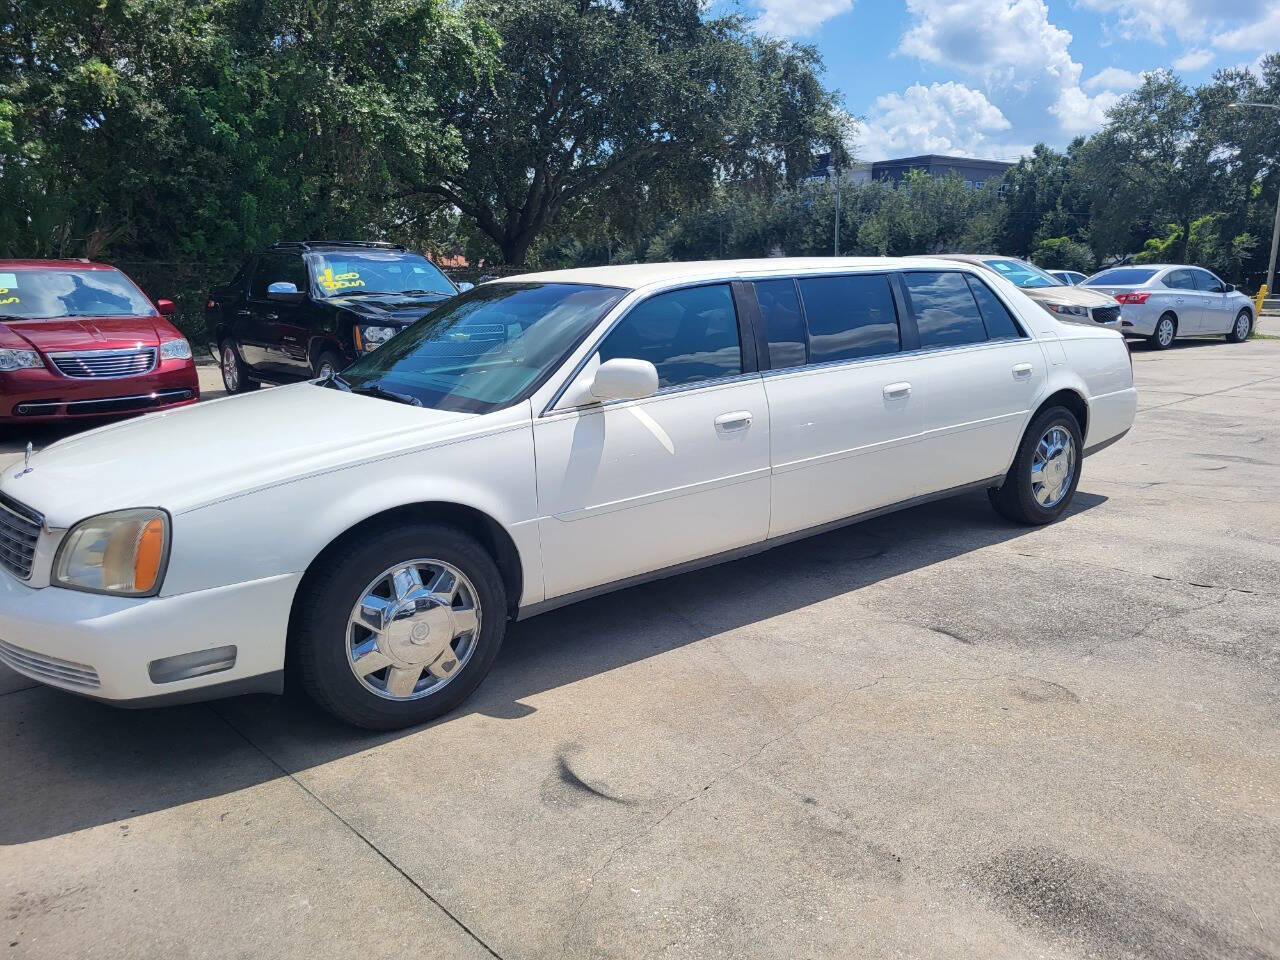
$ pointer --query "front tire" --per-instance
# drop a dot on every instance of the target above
(235, 373)
(327, 364)
(1165, 333)
(1241, 329)
(1043, 479)
(401, 627)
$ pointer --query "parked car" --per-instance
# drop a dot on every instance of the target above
(79, 339)
(1166, 301)
(1071, 277)
(1061, 299)
(303, 310)
(537, 440)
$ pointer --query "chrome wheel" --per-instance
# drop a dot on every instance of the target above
(413, 629)
(1164, 332)
(326, 370)
(230, 369)
(1053, 467)
(1242, 327)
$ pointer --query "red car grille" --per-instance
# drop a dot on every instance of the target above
(93, 364)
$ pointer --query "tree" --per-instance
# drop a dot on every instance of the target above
(1063, 253)
(643, 102)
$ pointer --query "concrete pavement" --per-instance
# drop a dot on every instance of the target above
(929, 735)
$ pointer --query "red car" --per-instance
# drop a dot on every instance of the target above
(80, 339)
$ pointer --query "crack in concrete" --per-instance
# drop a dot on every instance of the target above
(365, 840)
(1138, 573)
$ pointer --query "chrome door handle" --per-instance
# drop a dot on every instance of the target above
(738, 420)
(896, 391)
(1021, 371)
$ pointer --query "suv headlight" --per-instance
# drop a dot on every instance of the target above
(1068, 309)
(175, 350)
(122, 553)
(19, 359)
(373, 336)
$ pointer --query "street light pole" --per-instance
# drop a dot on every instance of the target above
(1275, 230)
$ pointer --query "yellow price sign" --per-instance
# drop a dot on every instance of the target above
(339, 281)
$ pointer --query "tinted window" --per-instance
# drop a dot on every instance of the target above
(278, 268)
(783, 325)
(689, 335)
(1179, 280)
(995, 316)
(1120, 277)
(946, 313)
(1207, 281)
(346, 272)
(849, 317)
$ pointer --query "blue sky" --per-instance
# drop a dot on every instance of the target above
(990, 78)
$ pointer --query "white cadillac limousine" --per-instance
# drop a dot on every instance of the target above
(531, 442)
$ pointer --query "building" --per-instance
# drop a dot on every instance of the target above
(975, 173)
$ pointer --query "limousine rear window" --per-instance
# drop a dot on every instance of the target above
(487, 348)
(849, 317)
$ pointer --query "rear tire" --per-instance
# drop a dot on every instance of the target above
(1242, 327)
(235, 373)
(1165, 333)
(329, 632)
(1043, 479)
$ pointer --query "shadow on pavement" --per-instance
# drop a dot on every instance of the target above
(73, 763)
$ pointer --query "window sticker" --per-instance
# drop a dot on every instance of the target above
(340, 281)
(8, 291)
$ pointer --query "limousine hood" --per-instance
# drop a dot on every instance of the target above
(196, 455)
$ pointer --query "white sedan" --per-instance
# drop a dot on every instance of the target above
(534, 441)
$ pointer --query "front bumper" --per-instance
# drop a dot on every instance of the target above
(103, 647)
(41, 394)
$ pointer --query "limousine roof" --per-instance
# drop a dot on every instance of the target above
(636, 275)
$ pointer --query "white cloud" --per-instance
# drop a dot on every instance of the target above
(1015, 51)
(1263, 34)
(940, 118)
(1113, 78)
(1194, 60)
(794, 18)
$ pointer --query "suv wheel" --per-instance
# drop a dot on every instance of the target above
(327, 364)
(1045, 472)
(235, 375)
(401, 628)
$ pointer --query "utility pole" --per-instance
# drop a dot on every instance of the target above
(835, 241)
(1275, 230)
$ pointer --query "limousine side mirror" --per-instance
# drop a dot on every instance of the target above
(284, 290)
(623, 379)
(464, 286)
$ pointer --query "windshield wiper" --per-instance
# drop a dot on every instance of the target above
(382, 393)
(335, 381)
(419, 292)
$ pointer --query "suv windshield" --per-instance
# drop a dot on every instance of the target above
(343, 272)
(1121, 277)
(54, 292)
(1023, 274)
(484, 349)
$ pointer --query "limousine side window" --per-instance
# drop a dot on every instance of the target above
(783, 324)
(689, 335)
(995, 315)
(849, 317)
(945, 310)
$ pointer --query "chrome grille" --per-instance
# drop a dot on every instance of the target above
(19, 530)
(91, 364)
(42, 667)
(1106, 314)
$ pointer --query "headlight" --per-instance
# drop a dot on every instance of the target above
(175, 350)
(372, 337)
(124, 553)
(1068, 309)
(18, 359)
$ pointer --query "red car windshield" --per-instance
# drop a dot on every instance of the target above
(52, 292)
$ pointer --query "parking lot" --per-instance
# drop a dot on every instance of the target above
(933, 734)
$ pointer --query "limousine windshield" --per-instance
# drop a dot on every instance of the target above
(482, 350)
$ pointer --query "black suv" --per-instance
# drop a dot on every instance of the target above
(303, 310)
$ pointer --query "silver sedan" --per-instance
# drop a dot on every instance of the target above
(1165, 301)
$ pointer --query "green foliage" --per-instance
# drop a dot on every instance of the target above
(1063, 253)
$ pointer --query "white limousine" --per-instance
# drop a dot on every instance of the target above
(531, 442)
